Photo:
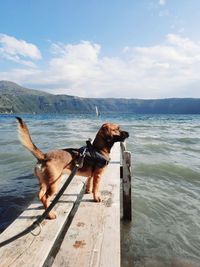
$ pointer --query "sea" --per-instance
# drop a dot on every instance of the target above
(165, 228)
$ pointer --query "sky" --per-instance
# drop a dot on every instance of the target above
(102, 48)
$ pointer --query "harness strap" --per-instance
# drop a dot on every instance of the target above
(93, 157)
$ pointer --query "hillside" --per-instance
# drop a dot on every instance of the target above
(17, 99)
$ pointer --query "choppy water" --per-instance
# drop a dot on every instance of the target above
(165, 230)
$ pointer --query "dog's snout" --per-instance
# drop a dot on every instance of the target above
(125, 134)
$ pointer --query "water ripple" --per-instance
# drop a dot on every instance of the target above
(166, 179)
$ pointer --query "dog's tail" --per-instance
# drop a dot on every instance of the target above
(26, 140)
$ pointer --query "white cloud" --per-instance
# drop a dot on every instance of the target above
(74, 61)
(18, 50)
(169, 69)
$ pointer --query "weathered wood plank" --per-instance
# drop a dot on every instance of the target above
(93, 238)
(126, 185)
(32, 250)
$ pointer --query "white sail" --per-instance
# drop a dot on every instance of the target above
(97, 111)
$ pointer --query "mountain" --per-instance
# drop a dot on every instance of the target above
(17, 99)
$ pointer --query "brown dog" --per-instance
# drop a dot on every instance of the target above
(53, 164)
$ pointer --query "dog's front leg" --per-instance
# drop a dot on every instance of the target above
(96, 185)
(89, 185)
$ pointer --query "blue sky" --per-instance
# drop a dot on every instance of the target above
(105, 48)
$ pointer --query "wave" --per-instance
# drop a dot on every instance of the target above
(166, 171)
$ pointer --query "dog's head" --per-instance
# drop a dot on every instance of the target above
(112, 133)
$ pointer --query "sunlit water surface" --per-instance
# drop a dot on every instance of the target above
(165, 230)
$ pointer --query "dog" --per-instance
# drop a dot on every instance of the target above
(51, 165)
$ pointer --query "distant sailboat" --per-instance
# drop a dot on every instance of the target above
(97, 111)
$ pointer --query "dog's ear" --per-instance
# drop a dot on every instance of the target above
(106, 131)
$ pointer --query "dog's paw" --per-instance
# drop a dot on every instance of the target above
(97, 198)
(88, 191)
(52, 215)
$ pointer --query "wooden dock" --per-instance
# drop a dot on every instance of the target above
(85, 233)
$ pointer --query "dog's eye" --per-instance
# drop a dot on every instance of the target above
(116, 130)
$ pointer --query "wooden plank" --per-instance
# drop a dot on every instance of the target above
(126, 185)
(32, 249)
(115, 154)
(93, 238)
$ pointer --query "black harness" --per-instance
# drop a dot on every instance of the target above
(93, 157)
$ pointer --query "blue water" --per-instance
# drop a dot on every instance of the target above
(165, 230)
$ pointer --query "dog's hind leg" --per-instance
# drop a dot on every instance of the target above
(42, 193)
(46, 190)
(47, 200)
(43, 186)
(44, 196)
